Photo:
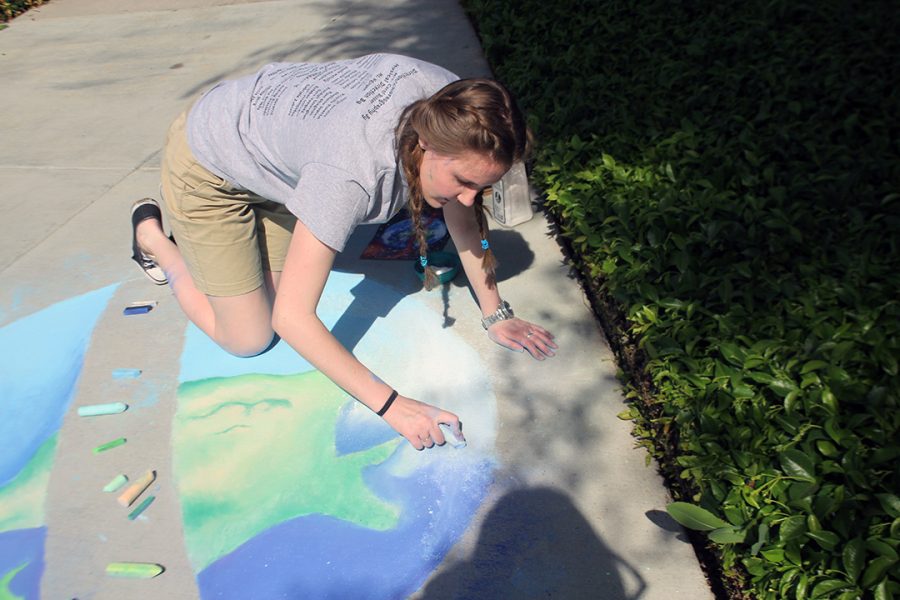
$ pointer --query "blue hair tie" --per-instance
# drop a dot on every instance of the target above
(485, 245)
(423, 260)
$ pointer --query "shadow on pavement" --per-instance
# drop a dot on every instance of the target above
(370, 302)
(536, 544)
(661, 519)
(424, 29)
(514, 255)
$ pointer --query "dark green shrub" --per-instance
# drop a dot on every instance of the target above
(12, 8)
(729, 175)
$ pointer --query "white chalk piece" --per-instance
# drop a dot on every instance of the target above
(117, 482)
(150, 303)
(456, 442)
(94, 410)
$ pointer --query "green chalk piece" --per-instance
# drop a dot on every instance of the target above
(141, 507)
(117, 482)
(94, 410)
(108, 445)
(134, 569)
(126, 373)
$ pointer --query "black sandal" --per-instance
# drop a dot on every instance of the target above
(144, 209)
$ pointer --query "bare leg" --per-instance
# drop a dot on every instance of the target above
(273, 278)
(242, 325)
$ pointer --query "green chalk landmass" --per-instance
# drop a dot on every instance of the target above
(5, 593)
(22, 499)
(253, 451)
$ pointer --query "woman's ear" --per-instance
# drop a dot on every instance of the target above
(423, 144)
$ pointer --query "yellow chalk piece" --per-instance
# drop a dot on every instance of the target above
(137, 488)
(134, 569)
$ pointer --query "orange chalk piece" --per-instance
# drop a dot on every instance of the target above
(137, 488)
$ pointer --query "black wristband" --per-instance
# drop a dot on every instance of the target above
(387, 404)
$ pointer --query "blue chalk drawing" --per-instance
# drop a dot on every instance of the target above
(422, 501)
(41, 357)
(21, 563)
(323, 553)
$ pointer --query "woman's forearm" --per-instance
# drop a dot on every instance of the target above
(464, 230)
(414, 420)
(294, 319)
(309, 337)
(488, 296)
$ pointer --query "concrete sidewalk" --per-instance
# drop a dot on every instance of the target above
(89, 87)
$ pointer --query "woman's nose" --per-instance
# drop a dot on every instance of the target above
(467, 198)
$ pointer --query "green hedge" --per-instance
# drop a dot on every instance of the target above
(12, 8)
(728, 176)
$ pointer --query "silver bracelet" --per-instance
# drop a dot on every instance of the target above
(504, 311)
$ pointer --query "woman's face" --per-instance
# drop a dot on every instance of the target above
(460, 177)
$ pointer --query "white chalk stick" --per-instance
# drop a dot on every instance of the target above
(94, 410)
(117, 482)
(456, 442)
(142, 303)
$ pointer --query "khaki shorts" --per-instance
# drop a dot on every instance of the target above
(227, 236)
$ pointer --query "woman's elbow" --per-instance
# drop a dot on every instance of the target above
(279, 321)
(287, 323)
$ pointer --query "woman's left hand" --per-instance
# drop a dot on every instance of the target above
(520, 335)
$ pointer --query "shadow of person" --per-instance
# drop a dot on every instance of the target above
(514, 255)
(386, 282)
(535, 543)
(371, 300)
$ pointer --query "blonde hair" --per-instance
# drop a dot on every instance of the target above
(469, 115)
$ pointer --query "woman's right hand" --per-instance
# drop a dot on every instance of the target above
(419, 422)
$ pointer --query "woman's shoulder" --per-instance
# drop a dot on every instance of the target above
(423, 67)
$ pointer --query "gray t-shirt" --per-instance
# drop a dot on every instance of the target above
(316, 137)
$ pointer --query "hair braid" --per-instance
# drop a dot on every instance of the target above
(488, 259)
(410, 155)
(415, 209)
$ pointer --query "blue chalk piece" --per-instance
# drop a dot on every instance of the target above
(141, 507)
(126, 373)
(137, 310)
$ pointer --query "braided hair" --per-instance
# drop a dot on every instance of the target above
(469, 115)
